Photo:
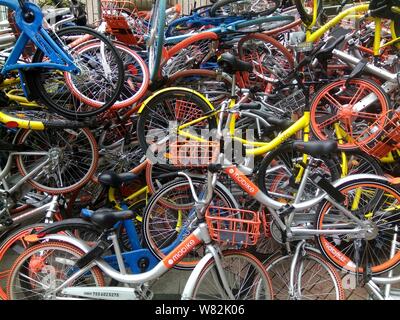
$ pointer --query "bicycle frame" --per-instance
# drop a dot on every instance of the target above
(48, 209)
(372, 286)
(38, 35)
(200, 235)
(7, 168)
(231, 27)
(377, 46)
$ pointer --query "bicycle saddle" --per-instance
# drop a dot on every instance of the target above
(115, 180)
(316, 148)
(231, 64)
(325, 52)
(282, 124)
(107, 218)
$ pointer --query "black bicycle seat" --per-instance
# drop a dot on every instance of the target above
(231, 64)
(325, 52)
(107, 218)
(282, 124)
(316, 148)
(115, 180)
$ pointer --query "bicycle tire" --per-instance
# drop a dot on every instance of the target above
(51, 246)
(69, 92)
(304, 15)
(238, 272)
(46, 184)
(7, 244)
(180, 184)
(271, 52)
(159, 103)
(360, 162)
(319, 110)
(190, 53)
(280, 277)
(222, 3)
(191, 79)
(279, 180)
(137, 78)
(155, 49)
(344, 257)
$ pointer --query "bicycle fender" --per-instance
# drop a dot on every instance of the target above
(70, 240)
(189, 287)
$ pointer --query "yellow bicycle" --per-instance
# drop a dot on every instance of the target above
(374, 10)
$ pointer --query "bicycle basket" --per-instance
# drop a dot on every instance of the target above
(123, 20)
(389, 138)
(233, 226)
(293, 103)
(193, 153)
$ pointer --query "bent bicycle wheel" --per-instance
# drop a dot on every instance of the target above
(95, 88)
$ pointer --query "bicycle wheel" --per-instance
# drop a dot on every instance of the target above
(10, 248)
(373, 201)
(15, 244)
(212, 85)
(98, 85)
(155, 43)
(45, 266)
(314, 278)
(246, 277)
(359, 162)
(240, 7)
(137, 77)
(270, 59)
(176, 105)
(351, 109)
(305, 8)
(192, 53)
(169, 217)
(71, 158)
(279, 172)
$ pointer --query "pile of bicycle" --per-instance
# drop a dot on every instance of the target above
(254, 142)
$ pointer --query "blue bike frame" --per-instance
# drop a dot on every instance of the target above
(138, 253)
(59, 59)
(232, 27)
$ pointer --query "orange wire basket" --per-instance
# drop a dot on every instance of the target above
(387, 140)
(123, 20)
(233, 226)
(193, 153)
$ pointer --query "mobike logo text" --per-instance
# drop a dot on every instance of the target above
(345, 261)
(176, 255)
(242, 180)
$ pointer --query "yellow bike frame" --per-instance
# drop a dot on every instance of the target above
(303, 124)
(313, 36)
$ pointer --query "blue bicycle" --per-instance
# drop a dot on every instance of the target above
(75, 72)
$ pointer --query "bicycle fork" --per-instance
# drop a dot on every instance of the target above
(292, 288)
